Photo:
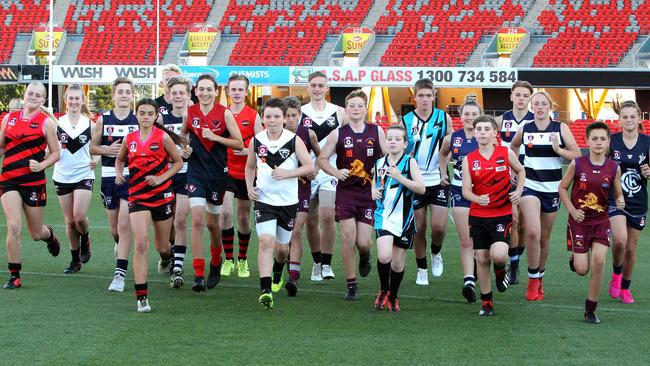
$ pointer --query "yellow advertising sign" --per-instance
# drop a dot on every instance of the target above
(199, 39)
(354, 39)
(509, 38)
(42, 39)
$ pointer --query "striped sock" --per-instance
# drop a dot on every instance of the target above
(121, 267)
(294, 271)
(228, 239)
(14, 269)
(243, 244)
(141, 291)
(179, 255)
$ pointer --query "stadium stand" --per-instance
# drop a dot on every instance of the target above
(591, 33)
(19, 17)
(578, 128)
(287, 31)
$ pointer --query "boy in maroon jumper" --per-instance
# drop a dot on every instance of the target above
(593, 177)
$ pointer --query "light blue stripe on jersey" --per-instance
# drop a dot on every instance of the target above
(394, 212)
(425, 150)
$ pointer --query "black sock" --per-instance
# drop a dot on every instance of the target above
(533, 272)
(469, 281)
(179, 255)
(14, 269)
(75, 255)
(435, 250)
(84, 237)
(384, 275)
(395, 281)
(265, 284)
(166, 257)
(421, 262)
(590, 306)
(352, 283)
(121, 267)
(141, 290)
(625, 284)
(521, 250)
(277, 271)
(513, 252)
(52, 236)
(327, 259)
(363, 258)
(317, 257)
(618, 269)
(486, 297)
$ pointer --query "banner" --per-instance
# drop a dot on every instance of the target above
(103, 74)
(355, 38)
(199, 39)
(447, 77)
(9, 73)
(509, 38)
(42, 39)
(258, 75)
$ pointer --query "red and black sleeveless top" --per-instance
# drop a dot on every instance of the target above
(24, 141)
(492, 177)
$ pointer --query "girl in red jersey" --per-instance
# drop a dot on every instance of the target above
(151, 197)
(486, 184)
(593, 178)
(24, 136)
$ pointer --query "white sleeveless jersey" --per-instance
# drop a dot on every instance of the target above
(322, 123)
(74, 142)
(269, 155)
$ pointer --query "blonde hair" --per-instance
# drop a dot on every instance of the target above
(84, 105)
(548, 97)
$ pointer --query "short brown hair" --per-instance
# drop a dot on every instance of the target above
(357, 94)
(292, 102)
(486, 118)
(235, 77)
(399, 127)
(598, 125)
(316, 74)
(275, 103)
(180, 80)
(522, 84)
(208, 77)
(423, 84)
(122, 80)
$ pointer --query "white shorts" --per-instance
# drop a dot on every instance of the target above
(210, 207)
(272, 228)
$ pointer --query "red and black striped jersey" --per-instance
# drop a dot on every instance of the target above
(492, 177)
(24, 141)
(146, 158)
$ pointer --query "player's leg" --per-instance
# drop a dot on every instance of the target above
(384, 258)
(438, 224)
(266, 234)
(397, 273)
(364, 243)
(295, 254)
(81, 199)
(281, 256)
(197, 207)
(243, 235)
(633, 236)
(348, 240)
(180, 239)
(66, 202)
(214, 230)
(514, 251)
(313, 235)
(485, 280)
(547, 220)
(531, 209)
(499, 259)
(227, 231)
(461, 218)
(11, 200)
(123, 247)
(326, 213)
(598, 256)
(420, 242)
(141, 221)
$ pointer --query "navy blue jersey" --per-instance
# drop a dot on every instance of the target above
(115, 129)
(460, 146)
(510, 125)
(634, 184)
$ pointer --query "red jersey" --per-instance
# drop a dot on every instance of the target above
(591, 186)
(24, 141)
(246, 124)
(145, 158)
(209, 158)
(492, 177)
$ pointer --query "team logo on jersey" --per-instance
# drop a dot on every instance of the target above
(382, 172)
(33, 125)
(245, 123)
(501, 161)
(508, 124)
(307, 122)
(305, 203)
(501, 168)
(370, 151)
(605, 183)
(154, 147)
(162, 110)
(133, 146)
(617, 155)
(131, 129)
(348, 153)
(284, 152)
(642, 222)
(262, 151)
(531, 138)
(583, 177)
(368, 214)
(415, 130)
(579, 243)
(258, 214)
(441, 193)
(334, 182)
(196, 122)
(476, 165)
(12, 122)
(89, 183)
(500, 228)
(458, 142)
(331, 121)
(630, 182)
(641, 158)
(110, 130)
(83, 139)
(347, 142)
(63, 138)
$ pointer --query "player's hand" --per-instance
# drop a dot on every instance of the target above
(377, 192)
(119, 179)
(645, 170)
(342, 174)
(114, 148)
(513, 180)
(394, 173)
(153, 180)
(514, 197)
(311, 176)
(578, 215)
(208, 134)
(93, 164)
(252, 194)
(279, 174)
(620, 202)
(444, 180)
(555, 141)
(242, 152)
(484, 200)
(186, 152)
(35, 166)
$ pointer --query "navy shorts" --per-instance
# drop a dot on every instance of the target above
(113, 193)
(179, 184)
(636, 222)
(550, 201)
(66, 188)
(457, 199)
(210, 189)
(434, 195)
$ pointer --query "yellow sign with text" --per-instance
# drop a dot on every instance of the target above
(199, 40)
(509, 38)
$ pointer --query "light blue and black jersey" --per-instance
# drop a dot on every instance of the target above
(543, 165)
(424, 142)
(394, 212)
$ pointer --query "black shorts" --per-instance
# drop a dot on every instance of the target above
(113, 193)
(486, 231)
(285, 215)
(434, 195)
(179, 183)
(158, 213)
(210, 189)
(32, 196)
(405, 241)
(238, 187)
(66, 188)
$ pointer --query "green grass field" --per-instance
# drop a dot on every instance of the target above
(72, 319)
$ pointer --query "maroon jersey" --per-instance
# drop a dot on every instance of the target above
(246, 124)
(492, 177)
(24, 141)
(357, 152)
(304, 184)
(209, 158)
(145, 158)
(591, 186)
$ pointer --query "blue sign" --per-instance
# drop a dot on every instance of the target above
(258, 75)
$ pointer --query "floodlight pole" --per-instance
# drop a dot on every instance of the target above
(155, 88)
(49, 58)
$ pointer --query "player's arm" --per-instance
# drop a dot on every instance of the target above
(184, 130)
(563, 190)
(343, 117)
(645, 169)
(450, 125)
(3, 130)
(235, 141)
(571, 150)
(443, 160)
(326, 152)
(249, 173)
(307, 167)
(515, 144)
(499, 122)
(94, 159)
(468, 193)
(618, 191)
(96, 148)
(120, 159)
(520, 173)
(49, 128)
(315, 147)
(258, 127)
(382, 140)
